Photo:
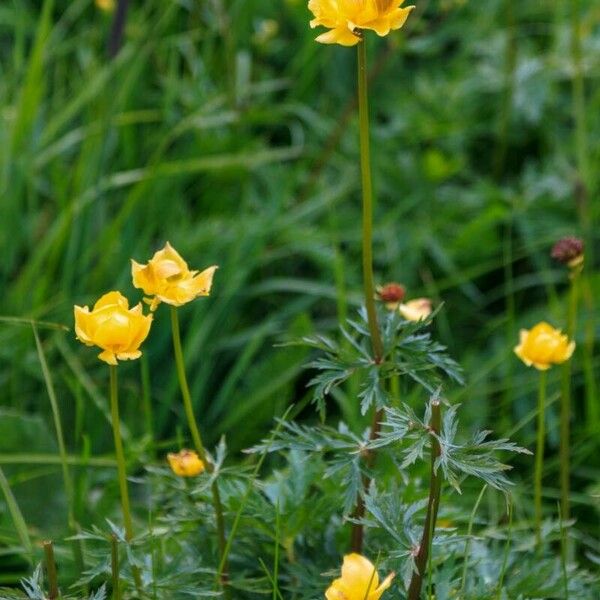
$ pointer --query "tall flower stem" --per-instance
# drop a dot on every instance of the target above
(367, 202)
(367, 264)
(565, 404)
(198, 444)
(539, 456)
(121, 468)
(435, 486)
(587, 214)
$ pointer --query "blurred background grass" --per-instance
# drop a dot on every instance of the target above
(222, 127)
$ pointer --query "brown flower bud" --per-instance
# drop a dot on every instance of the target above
(391, 293)
(569, 251)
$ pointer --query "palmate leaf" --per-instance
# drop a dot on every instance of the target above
(409, 351)
(477, 457)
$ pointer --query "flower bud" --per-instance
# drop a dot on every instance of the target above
(569, 251)
(186, 463)
(392, 294)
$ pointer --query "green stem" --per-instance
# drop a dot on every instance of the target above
(585, 189)
(185, 389)
(53, 592)
(539, 456)
(114, 568)
(367, 200)
(197, 439)
(435, 486)
(121, 468)
(565, 406)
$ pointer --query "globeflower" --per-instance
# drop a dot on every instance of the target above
(544, 346)
(168, 279)
(114, 327)
(359, 581)
(416, 310)
(185, 463)
(106, 5)
(346, 18)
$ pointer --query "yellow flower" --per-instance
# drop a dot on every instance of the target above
(544, 346)
(168, 278)
(416, 310)
(185, 463)
(106, 5)
(345, 18)
(114, 327)
(359, 581)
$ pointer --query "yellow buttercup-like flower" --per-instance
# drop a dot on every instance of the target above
(168, 279)
(114, 327)
(185, 463)
(346, 18)
(544, 346)
(106, 5)
(416, 310)
(359, 581)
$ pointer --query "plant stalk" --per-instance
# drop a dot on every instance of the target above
(367, 263)
(121, 467)
(565, 405)
(585, 190)
(199, 446)
(114, 568)
(53, 592)
(367, 202)
(539, 456)
(435, 486)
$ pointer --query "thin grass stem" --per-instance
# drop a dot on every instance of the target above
(76, 545)
(506, 550)
(468, 542)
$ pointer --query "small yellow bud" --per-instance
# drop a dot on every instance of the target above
(106, 5)
(185, 463)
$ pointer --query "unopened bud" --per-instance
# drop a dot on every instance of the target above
(392, 294)
(569, 251)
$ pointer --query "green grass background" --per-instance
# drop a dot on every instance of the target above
(223, 127)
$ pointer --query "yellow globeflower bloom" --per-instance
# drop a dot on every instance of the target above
(114, 327)
(106, 5)
(185, 463)
(416, 310)
(359, 581)
(346, 18)
(544, 346)
(167, 277)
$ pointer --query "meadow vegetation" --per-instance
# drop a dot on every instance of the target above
(289, 425)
